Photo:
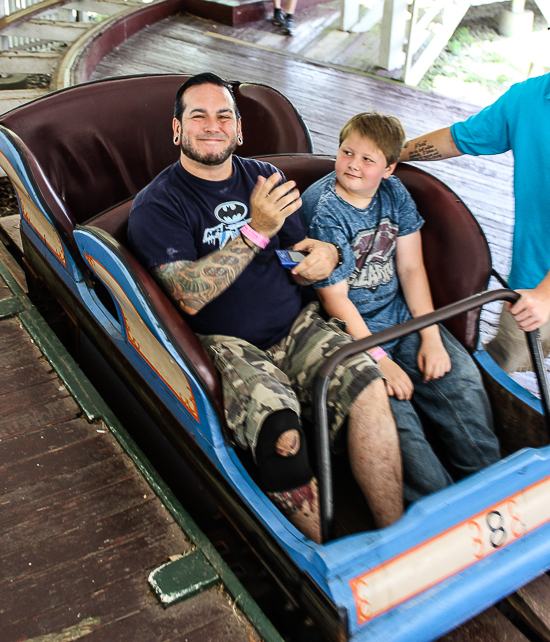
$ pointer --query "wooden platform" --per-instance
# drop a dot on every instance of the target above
(235, 13)
(81, 528)
(327, 95)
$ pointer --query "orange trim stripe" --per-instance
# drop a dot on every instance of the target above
(187, 400)
(429, 563)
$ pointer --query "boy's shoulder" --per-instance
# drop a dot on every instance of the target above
(392, 184)
(321, 186)
(315, 193)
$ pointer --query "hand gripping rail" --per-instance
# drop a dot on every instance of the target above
(414, 325)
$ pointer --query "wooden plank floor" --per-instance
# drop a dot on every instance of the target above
(80, 529)
(326, 97)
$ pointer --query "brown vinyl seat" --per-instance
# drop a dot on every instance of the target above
(92, 146)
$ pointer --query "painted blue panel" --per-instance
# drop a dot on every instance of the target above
(488, 364)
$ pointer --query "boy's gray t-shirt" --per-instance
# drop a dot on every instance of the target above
(368, 239)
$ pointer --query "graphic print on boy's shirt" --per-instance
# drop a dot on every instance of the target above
(374, 250)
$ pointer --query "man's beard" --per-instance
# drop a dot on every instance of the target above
(192, 153)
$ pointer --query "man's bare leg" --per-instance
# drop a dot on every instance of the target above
(299, 505)
(375, 458)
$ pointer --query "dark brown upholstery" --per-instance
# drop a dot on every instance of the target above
(456, 253)
(102, 142)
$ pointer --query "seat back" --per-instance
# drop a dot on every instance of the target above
(99, 143)
(456, 253)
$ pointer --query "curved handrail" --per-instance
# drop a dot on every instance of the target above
(326, 502)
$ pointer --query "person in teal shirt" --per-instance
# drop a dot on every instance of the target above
(518, 121)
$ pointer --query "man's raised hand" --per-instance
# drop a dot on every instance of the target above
(271, 203)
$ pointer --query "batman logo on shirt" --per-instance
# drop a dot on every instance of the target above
(233, 215)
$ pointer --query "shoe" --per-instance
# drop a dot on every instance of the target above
(279, 18)
(289, 20)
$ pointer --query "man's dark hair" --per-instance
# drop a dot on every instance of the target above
(206, 78)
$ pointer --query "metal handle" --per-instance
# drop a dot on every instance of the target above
(326, 502)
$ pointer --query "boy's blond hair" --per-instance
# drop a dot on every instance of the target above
(386, 132)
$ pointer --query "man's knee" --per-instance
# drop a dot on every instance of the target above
(281, 453)
(374, 395)
(288, 443)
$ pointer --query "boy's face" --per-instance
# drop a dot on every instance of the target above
(360, 166)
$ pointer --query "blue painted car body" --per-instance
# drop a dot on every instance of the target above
(437, 587)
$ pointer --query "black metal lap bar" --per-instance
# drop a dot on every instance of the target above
(414, 325)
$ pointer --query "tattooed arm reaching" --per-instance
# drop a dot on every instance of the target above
(436, 145)
(193, 284)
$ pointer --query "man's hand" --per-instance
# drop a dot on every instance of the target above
(398, 382)
(532, 310)
(433, 359)
(318, 264)
(271, 204)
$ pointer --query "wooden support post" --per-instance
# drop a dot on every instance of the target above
(349, 14)
(393, 34)
(518, 6)
(350, 20)
(544, 6)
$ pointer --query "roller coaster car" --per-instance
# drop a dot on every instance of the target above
(76, 158)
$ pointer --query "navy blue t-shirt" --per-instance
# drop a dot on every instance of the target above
(179, 217)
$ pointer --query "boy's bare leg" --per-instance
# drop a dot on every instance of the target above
(301, 507)
(375, 458)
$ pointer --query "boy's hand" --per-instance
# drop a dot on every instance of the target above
(398, 382)
(433, 360)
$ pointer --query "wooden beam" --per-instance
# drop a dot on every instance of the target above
(393, 34)
(48, 30)
(102, 7)
(42, 62)
(372, 17)
(544, 6)
(532, 603)
(452, 18)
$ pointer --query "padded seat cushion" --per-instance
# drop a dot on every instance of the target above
(100, 143)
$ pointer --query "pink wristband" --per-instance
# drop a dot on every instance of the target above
(256, 238)
(378, 353)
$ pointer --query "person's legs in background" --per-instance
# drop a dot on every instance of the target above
(282, 20)
(509, 347)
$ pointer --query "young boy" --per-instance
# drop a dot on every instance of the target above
(381, 282)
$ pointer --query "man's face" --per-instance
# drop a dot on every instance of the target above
(209, 127)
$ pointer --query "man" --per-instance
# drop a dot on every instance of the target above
(517, 121)
(208, 227)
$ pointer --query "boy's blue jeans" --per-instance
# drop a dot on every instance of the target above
(458, 406)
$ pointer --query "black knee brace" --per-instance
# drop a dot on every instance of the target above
(279, 473)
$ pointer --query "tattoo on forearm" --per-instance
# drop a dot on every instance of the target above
(193, 284)
(423, 151)
(295, 501)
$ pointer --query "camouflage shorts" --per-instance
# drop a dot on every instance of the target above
(257, 383)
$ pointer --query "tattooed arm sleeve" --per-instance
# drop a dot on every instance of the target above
(193, 284)
(436, 145)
